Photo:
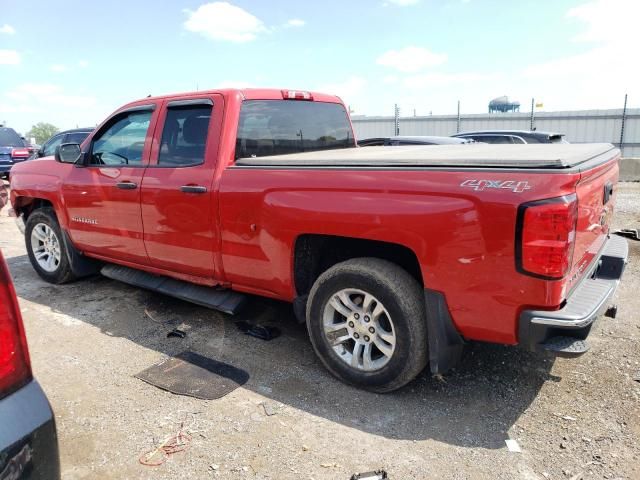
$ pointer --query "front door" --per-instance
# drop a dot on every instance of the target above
(103, 196)
(178, 202)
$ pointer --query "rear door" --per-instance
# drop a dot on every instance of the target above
(178, 198)
(103, 196)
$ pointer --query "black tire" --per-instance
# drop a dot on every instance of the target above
(62, 273)
(403, 299)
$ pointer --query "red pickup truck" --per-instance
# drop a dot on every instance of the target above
(394, 257)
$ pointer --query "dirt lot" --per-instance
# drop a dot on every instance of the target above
(573, 419)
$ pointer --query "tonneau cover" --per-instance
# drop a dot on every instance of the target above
(557, 156)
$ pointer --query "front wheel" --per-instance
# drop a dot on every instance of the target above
(45, 247)
(366, 321)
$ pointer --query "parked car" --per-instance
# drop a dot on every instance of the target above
(13, 149)
(28, 440)
(513, 136)
(77, 135)
(412, 140)
(393, 257)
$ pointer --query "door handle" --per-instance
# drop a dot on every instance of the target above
(127, 185)
(193, 189)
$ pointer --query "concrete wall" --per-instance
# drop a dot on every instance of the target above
(579, 126)
(630, 170)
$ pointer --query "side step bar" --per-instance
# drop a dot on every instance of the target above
(226, 301)
(565, 346)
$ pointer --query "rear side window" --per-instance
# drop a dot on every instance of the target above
(276, 127)
(77, 137)
(51, 145)
(494, 139)
(184, 136)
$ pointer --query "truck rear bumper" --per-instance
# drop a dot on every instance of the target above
(587, 302)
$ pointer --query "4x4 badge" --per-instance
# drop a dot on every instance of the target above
(513, 185)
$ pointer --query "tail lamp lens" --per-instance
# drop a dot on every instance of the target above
(547, 232)
(15, 368)
(19, 153)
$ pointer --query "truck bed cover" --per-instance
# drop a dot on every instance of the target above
(548, 156)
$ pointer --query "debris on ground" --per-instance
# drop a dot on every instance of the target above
(632, 233)
(377, 475)
(179, 442)
(269, 409)
(263, 332)
(151, 316)
(176, 333)
(439, 378)
(513, 445)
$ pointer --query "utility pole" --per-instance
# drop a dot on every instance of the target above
(458, 125)
(532, 107)
(397, 119)
(624, 118)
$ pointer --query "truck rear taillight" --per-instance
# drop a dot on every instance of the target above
(19, 153)
(296, 95)
(15, 367)
(545, 237)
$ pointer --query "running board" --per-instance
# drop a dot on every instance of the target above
(226, 301)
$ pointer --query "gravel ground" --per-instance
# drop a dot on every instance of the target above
(572, 418)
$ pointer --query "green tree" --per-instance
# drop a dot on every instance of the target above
(42, 132)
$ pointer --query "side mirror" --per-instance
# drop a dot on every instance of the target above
(68, 153)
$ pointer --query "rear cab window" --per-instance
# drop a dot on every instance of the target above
(9, 138)
(277, 127)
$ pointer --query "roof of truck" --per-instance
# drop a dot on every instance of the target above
(557, 156)
(247, 93)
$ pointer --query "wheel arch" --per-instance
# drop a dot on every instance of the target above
(316, 253)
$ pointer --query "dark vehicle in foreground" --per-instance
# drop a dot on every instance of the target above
(76, 135)
(28, 440)
(13, 149)
(512, 136)
(394, 257)
(399, 140)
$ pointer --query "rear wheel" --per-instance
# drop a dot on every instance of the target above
(45, 247)
(366, 320)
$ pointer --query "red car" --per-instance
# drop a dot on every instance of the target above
(393, 257)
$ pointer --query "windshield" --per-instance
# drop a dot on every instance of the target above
(276, 127)
(9, 138)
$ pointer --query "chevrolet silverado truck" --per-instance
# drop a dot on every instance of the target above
(394, 257)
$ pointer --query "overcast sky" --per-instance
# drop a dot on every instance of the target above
(73, 62)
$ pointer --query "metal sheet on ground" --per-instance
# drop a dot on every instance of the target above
(195, 376)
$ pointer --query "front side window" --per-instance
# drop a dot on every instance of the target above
(122, 143)
(184, 135)
(50, 147)
(276, 127)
